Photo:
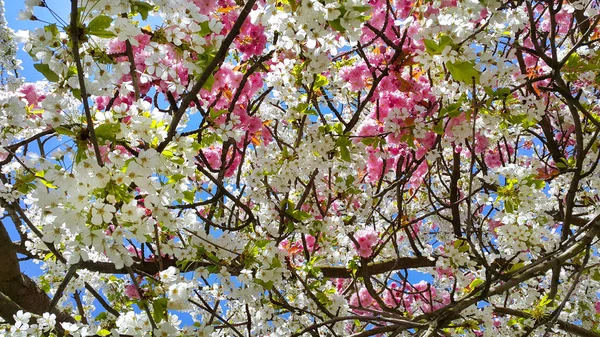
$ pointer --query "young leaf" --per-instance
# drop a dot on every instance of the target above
(141, 7)
(45, 70)
(99, 25)
(463, 71)
(159, 308)
(108, 131)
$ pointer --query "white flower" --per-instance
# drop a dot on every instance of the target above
(125, 30)
(25, 15)
(175, 35)
(405, 22)
(70, 328)
(102, 213)
(178, 295)
(95, 239)
(169, 275)
(215, 26)
(47, 321)
(22, 320)
(332, 11)
(103, 116)
(148, 158)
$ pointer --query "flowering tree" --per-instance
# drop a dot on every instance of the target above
(303, 168)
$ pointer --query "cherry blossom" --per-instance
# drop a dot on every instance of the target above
(301, 168)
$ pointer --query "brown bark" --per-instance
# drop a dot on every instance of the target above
(17, 290)
(153, 268)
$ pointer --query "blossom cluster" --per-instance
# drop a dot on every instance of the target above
(314, 167)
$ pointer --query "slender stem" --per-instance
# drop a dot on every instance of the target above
(84, 94)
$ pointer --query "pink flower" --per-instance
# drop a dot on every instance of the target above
(134, 251)
(363, 299)
(448, 3)
(102, 102)
(131, 292)
(492, 225)
(311, 243)
(481, 143)
(366, 239)
(374, 167)
(4, 155)
(492, 159)
(213, 157)
(356, 76)
(32, 94)
(441, 271)
(252, 40)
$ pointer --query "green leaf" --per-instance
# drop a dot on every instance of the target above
(445, 40)
(103, 332)
(509, 206)
(142, 8)
(502, 92)
(266, 285)
(345, 154)
(61, 130)
(49, 256)
(176, 177)
(353, 266)
(338, 128)
(562, 164)
(301, 215)
(320, 81)
(452, 110)
(368, 141)
(178, 160)
(108, 131)
(45, 70)
(159, 309)
(101, 22)
(463, 71)
(516, 266)
(204, 29)
(461, 245)
(343, 141)
(214, 114)
(362, 9)
(209, 83)
(476, 282)
(103, 34)
(76, 93)
(302, 107)
(433, 48)
(337, 25)
(438, 128)
(189, 196)
(430, 46)
(99, 25)
(101, 316)
(52, 28)
(261, 243)
(48, 184)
